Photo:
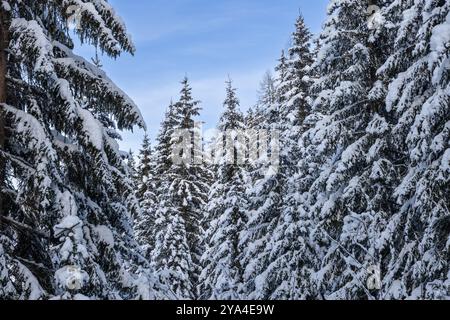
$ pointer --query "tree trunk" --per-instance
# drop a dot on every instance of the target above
(3, 70)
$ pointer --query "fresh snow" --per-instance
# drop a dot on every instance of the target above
(105, 235)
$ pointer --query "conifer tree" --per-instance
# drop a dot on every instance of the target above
(146, 166)
(295, 83)
(263, 192)
(287, 248)
(340, 195)
(416, 80)
(65, 223)
(164, 146)
(222, 271)
(184, 188)
(147, 196)
(132, 167)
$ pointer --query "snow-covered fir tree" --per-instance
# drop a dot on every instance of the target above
(164, 144)
(379, 196)
(295, 80)
(183, 195)
(346, 171)
(147, 196)
(416, 79)
(145, 167)
(263, 192)
(287, 249)
(66, 194)
(222, 271)
(162, 231)
(132, 166)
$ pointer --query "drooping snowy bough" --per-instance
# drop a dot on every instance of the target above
(65, 229)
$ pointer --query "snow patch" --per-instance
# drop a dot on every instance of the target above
(71, 278)
(92, 128)
(440, 38)
(105, 235)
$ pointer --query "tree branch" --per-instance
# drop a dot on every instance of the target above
(21, 227)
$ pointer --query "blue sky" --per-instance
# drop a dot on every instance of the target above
(205, 40)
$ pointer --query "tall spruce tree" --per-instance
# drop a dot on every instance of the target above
(295, 82)
(341, 196)
(263, 192)
(163, 162)
(66, 199)
(173, 274)
(221, 277)
(164, 145)
(416, 80)
(132, 167)
(184, 190)
(147, 196)
(145, 167)
(289, 253)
